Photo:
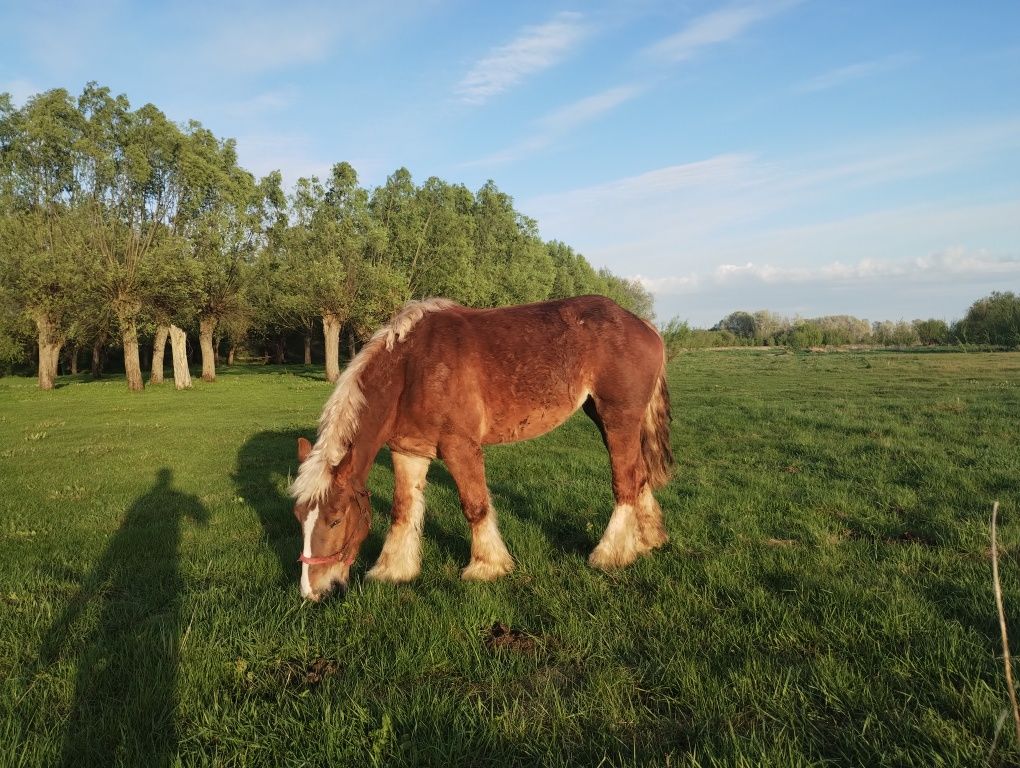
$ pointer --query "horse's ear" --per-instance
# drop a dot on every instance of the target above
(303, 448)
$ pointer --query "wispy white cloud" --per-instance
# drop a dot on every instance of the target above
(694, 226)
(716, 27)
(587, 109)
(276, 37)
(857, 71)
(533, 50)
(561, 122)
(266, 41)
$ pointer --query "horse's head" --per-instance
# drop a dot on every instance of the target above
(334, 528)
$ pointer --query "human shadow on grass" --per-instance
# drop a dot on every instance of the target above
(123, 710)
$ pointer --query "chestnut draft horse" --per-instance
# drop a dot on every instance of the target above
(444, 380)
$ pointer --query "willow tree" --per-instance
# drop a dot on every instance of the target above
(221, 216)
(429, 235)
(41, 227)
(131, 172)
(512, 263)
(334, 232)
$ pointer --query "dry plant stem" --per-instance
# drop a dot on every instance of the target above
(1002, 625)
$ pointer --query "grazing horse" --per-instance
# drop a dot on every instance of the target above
(444, 380)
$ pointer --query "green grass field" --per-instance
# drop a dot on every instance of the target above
(826, 597)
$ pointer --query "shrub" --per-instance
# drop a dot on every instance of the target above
(994, 319)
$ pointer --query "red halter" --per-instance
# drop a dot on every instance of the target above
(336, 557)
(340, 556)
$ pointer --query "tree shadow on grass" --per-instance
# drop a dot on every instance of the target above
(123, 711)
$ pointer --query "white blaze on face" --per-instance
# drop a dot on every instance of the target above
(308, 527)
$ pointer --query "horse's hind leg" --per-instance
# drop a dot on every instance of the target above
(400, 559)
(489, 556)
(636, 523)
(650, 525)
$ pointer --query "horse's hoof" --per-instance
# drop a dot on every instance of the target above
(391, 575)
(606, 559)
(484, 570)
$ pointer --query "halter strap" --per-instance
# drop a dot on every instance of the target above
(340, 556)
(336, 557)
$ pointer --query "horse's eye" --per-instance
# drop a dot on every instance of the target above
(336, 522)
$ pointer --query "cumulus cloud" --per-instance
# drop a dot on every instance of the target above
(535, 49)
(938, 284)
(953, 263)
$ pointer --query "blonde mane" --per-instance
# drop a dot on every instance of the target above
(339, 420)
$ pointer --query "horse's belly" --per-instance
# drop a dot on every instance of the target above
(524, 425)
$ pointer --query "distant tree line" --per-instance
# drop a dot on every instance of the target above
(120, 229)
(991, 321)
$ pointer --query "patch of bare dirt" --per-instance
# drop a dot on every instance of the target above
(296, 674)
(500, 636)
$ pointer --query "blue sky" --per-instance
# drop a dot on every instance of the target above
(811, 157)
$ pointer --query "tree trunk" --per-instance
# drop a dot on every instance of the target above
(132, 362)
(49, 351)
(352, 344)
(158, 350)
(279, 351)
(217, 341)
(206, 326)
(179, 347)
(97, 357)
(308, 347)
(331, 332)
(230, 354)
(72, 360)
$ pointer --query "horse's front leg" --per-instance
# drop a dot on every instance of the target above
(400, 559)
(489, 556)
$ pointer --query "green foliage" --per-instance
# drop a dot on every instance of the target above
(512, 266)
(932, 331)
(629, 294)
(676, 335)
(898, 334)
(994, 319)
(740, 324)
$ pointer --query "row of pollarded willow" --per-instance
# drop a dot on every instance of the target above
(119, 223)
(112, 215)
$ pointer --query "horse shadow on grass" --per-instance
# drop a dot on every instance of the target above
(267, 460)
(266, 464)
(131, 609)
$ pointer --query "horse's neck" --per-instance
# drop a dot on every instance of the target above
(381, 384)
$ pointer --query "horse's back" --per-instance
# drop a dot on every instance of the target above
(520, 371)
